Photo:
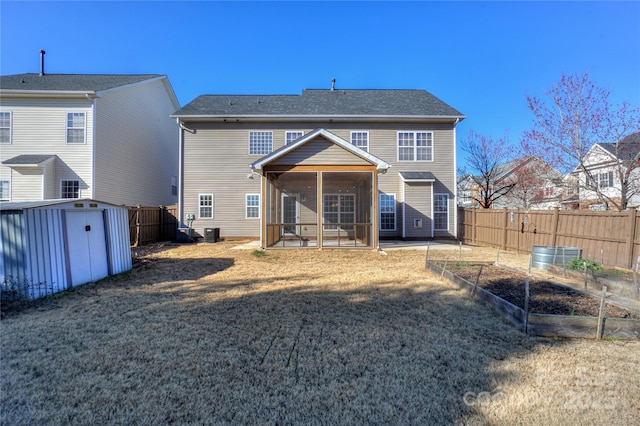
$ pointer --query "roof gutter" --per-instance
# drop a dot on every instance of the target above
(331, 118)
(49, 93)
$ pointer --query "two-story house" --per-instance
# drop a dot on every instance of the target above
(106, 137)
(606, 166)
(325, 168)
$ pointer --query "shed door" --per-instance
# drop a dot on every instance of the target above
(87, 246)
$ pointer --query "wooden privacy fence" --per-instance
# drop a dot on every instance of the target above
(606, 237)
(152, 224)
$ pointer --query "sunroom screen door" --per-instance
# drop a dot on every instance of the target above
(290, 214)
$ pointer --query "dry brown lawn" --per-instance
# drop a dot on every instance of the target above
(202, 334)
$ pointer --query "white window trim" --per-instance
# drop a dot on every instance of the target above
(249, 141)
(69, 180)
(213, 205)
(286, 134)
(246, 206)
(8, 198)
(366, 132)
(433, 213)
(415, 146)
(10, 128)
(395, 212)
(67, 128)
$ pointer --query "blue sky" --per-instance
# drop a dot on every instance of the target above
(482, 58)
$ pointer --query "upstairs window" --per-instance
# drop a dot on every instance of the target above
(205, 206)
(361, 140)
(70, 189)
(605, 180)
(5, 127)
(292, 136)
(415, 146)
(75, 127)
(260, 143)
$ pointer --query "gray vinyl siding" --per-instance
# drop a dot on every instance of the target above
(26, 185)
(417, 205)
(216, 161)
(319, 152)
(137, 149)
(39, 127)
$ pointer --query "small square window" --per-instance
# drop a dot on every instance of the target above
(289, 137)
(70, 189)
(260, 143)
(360, 139)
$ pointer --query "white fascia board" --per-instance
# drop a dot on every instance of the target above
(49, 93)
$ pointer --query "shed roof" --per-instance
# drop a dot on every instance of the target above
(418, 176)
(28, 160)
(319, 102)
(23, 205)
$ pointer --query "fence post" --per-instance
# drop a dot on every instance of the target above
(161, 232)
(504, 229)
(631, 211)
(138, 207)
(556, 219)
(474, 225)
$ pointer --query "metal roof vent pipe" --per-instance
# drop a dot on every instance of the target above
(42, 52)
(333, 84)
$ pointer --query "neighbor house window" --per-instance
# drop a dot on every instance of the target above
(4, 190)
(70, 189)
(387, 212)
(360, 139)
(252, 206)
(415, 146)
(260, 143)
(441, 212)
(604, 180)
(174, 185)
(205, 206)
(339, 211)
(292, 136)
(75, 127)
(5, 127)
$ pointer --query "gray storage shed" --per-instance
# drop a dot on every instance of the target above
(53, 245)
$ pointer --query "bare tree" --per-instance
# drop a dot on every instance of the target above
(531, 176)
(485, 156)
(575, 115)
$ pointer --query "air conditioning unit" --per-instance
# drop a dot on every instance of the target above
(211, 235)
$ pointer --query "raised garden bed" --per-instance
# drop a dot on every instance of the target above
(554, 310)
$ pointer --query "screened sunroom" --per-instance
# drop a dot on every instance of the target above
(319, 192)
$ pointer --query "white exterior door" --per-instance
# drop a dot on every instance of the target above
(87, 245)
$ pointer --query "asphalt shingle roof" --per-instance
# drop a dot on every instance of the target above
(417, 175)
(322, 102)
(628, 148)
(27, 159)
(70, 82)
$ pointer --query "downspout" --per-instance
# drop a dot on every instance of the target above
(93, 145)
(455, 182)
(180, 174)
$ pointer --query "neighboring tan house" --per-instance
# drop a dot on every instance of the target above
(526, 183)
(105, 137)
(323, 169)
(602, 162)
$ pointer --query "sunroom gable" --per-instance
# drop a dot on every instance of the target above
(320, 147)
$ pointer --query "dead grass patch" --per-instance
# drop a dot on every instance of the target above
(206, 334)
